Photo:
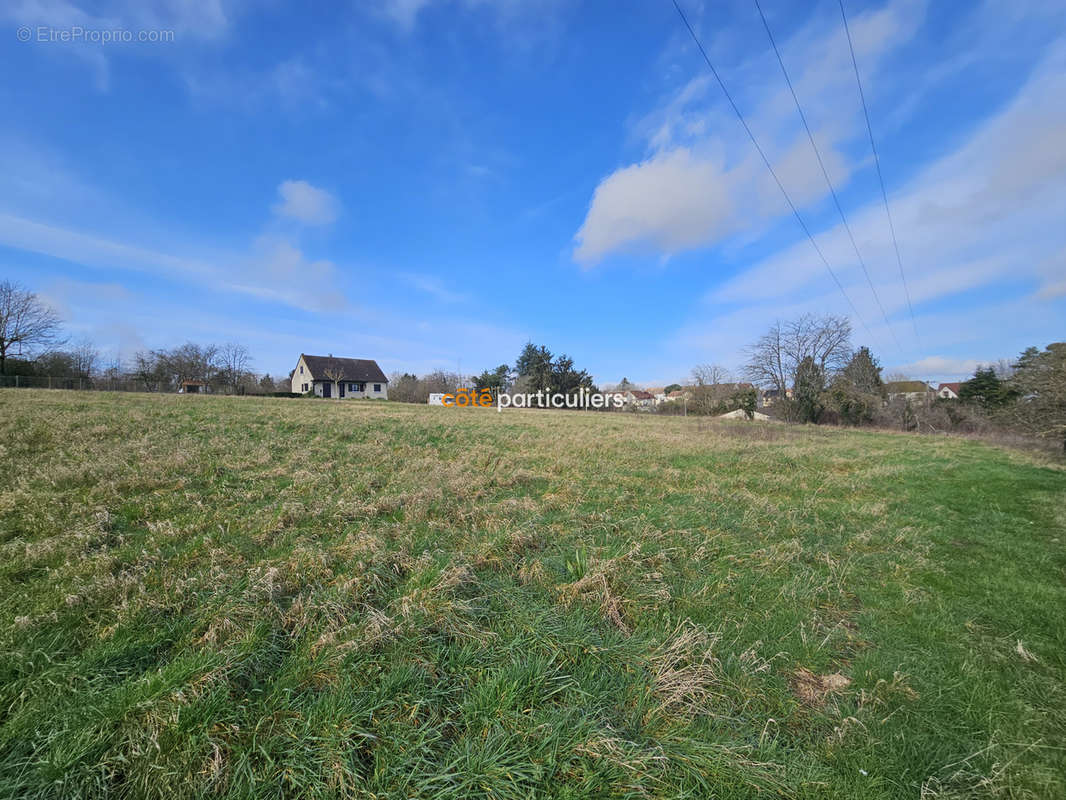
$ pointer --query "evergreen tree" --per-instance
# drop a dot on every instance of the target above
(496, 380)
(864, 372)
(535, 365)
(807, 395)
(985, 389)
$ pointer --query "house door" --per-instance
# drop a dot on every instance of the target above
(342, 390)
(327, 390)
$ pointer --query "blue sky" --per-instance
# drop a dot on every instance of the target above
(428, 182)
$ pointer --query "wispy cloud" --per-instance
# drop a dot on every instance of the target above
(432, 286)
(306, 203)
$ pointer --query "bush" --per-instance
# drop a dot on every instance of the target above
(851, 406)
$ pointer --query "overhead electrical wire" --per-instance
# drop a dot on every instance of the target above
(769, 166)
(825, 173)
(877, 164)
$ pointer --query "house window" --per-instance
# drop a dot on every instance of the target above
(377, 387)
(352, 387)
(303, 388)
(302, 370)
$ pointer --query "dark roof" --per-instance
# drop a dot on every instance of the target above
(351, 369)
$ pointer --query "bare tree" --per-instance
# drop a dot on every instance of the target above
(826, 340)
(335, 374)
(768, 361)
(710, 375)
(234, 365)
(84, 357)
(25, 321)
(775, 357)
(190, 362)
(149, 369)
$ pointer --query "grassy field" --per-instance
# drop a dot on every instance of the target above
(277, 598)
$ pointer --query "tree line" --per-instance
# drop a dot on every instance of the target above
(811, 359)
(32, 344)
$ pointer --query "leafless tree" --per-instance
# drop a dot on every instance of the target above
(84, 357)
(710, 375)
(234, 365)
(190, 362)
(768, 361)
(149, 369)
(775, 357)
(334, 373)
(25, 321)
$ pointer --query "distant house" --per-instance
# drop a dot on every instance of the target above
(771, 396)
(193, 387)
(327, 376)
(658, 394)
(909, 390)
(631, 398)
(640, 398)
(677, 395)
(948, 391)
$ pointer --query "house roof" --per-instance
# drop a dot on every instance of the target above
(677, 393)
(899, 387)
(640, 394)
(351, 369)
(953, 386)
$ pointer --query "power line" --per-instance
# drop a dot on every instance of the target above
(769, 167)
(877, 163)
(825, 174)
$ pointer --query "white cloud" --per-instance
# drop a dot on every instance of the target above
(671, 201)
(703, 181)
(305, 203)
(939, 367)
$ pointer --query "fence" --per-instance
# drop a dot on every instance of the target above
(49, 382)
(119, 384)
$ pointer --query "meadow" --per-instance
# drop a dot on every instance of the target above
(246, 597)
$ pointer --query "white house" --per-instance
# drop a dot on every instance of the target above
(327, 376)
(948, 391)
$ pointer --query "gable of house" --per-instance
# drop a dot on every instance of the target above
(948, 390)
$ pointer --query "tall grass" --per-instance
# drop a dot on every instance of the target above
(250, 597)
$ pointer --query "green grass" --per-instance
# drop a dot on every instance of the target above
(246, 597)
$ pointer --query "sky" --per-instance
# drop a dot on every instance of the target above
(433, 183)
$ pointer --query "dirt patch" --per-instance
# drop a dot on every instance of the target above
(814, 690)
